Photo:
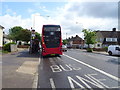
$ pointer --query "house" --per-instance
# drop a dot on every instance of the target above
(106, 38)
(1, 36)
(6, 39)
(75, 42)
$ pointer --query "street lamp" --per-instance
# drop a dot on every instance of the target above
(66, 36)
(80, 24)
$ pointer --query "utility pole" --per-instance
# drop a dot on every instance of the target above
(66, 36)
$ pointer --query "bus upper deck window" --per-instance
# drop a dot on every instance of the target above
(51, 33)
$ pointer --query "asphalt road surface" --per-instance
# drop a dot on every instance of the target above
(79, 69)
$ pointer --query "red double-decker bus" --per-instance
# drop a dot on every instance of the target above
(51, 40)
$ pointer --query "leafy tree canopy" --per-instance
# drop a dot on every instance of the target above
(65, 42)
(89, 36)
(38, 36)
(24, 35)
(18, 33)
(14, 33)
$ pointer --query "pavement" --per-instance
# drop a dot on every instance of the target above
(100, 52)
(96, 52)
(19, 69)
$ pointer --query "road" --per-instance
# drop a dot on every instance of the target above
(78, 69)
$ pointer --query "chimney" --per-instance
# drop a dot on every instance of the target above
(77, 36)
(114, 29)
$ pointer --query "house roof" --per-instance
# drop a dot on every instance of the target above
(118, 34)
(110, 34)
(5, 36)
(75, 38)
(1, 27)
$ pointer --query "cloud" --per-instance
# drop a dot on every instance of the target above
(30, 10)
(89, 15)
(95, 9)
(92, 15)
(10, 21)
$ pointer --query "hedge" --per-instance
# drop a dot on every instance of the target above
(6, 47)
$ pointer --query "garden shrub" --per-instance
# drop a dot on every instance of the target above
(106, 49)
(89, 49)
(6, 47)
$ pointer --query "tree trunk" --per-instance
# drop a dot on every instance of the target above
(88, 45)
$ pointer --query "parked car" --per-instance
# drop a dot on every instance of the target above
(64, 48)
(69, 46)
(114, 50)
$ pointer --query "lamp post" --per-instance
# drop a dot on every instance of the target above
(66, 36)
(80, 24)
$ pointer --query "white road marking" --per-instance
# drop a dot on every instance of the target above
(74, 67)
(71, 80)
(52, 83)
(56, 68)
(68, 67)
(35, 82)
(83, 82)
(94, 68)
(94, 79)
(59, 58)
(93, 82)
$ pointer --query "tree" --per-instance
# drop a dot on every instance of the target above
(24, 35)
(14, 33)
(38, 36)
(18, 33)
(65, 42)
(89, 36)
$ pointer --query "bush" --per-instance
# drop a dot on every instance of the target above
(106, 49)
(27, 44)
(89, 49)
(6, 47)
(100, 49)
(23, 46)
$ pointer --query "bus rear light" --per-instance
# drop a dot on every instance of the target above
(43, 49)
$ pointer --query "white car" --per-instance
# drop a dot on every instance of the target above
(64, 48)
(114, 50)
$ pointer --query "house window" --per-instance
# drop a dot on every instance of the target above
(98, 45)
(114, 39)
(111, 39)
(101, 39)
(108, 39)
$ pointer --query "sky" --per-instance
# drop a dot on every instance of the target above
(72, 16)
